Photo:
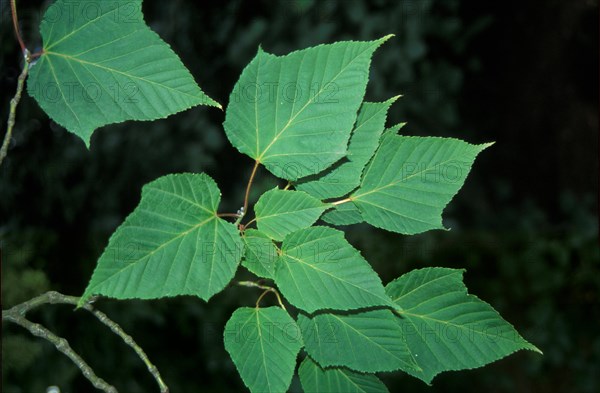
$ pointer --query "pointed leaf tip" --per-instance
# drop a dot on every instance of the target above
(410, 180)
(463, 332)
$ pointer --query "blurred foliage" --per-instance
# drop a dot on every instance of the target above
(524, 226)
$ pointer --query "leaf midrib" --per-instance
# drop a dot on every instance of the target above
(61, 92)
(148, 255)
(376, 343)
(356, 197)
(462, 327)
(310, 101)
(113, 70)
(387, 303)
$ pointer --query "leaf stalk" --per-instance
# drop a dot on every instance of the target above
(266, 288)
(15, 20)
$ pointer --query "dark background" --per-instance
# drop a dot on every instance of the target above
(523, 74)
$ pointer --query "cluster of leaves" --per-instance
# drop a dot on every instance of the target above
(303, 117)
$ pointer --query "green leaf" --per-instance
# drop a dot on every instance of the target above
(410, 180)
(344, 214)
(263, 344)
(260, 253)
(172, 244)
(280, 212)
(446, 328)
(294, 113)
(344, 177)
(395, 128)
(101, 64)
(318, 269)
(370, 341)
(314, 379)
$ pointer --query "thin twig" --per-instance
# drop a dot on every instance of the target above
(62, 345)
(249, 186)
(13, 107)
(17, 313)
(15, 19)
(51, 297)
(127, 339)
(266, 288)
